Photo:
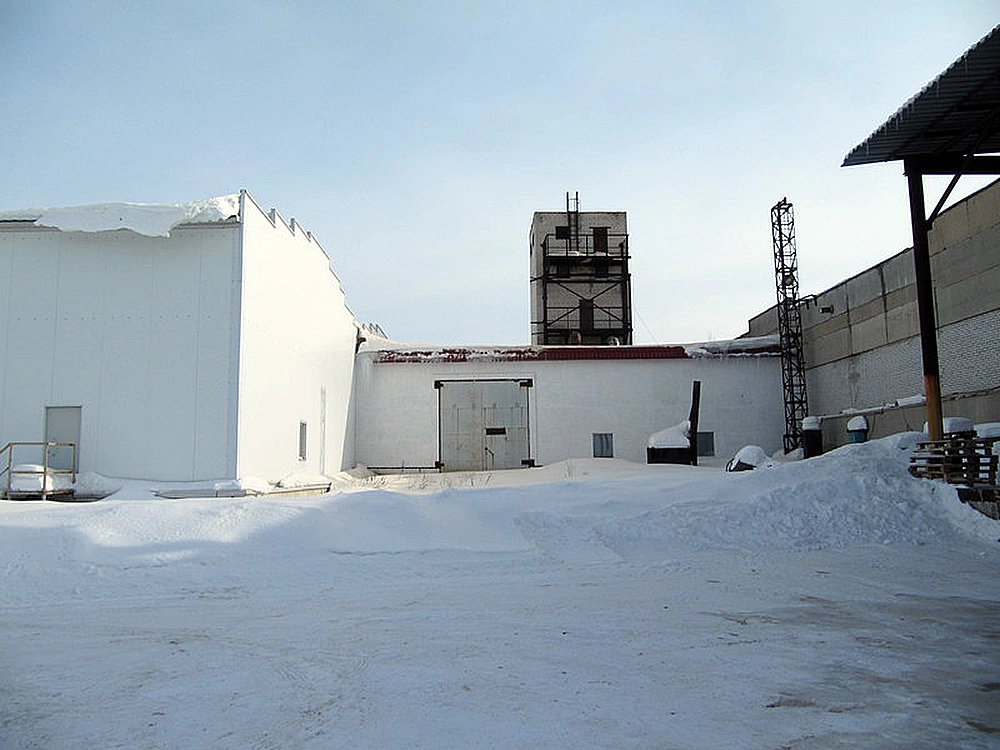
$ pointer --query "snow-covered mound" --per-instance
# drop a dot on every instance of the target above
(749, 457)
(860, 494)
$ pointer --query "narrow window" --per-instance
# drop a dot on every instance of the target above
(604, 445)
(586, 315)
(303, 440)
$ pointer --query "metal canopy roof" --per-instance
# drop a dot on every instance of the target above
(955, 116)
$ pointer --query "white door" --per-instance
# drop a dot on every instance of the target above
(483, 424)
(62, 425)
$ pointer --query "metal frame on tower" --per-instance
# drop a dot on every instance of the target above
(786, 276)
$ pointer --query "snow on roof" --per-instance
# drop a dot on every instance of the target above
(751, 345)
(523, 353)
(386, 352)
(150, 219)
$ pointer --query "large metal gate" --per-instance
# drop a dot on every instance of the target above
(483, 424)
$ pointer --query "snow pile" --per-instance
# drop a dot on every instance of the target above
(749, 346)
(861, 494)
(89, 484)
(955, 426)
(857, 424)
(750, 457)
(672, 437)
(242, 486)
(299, 480)
(988, 429)
(34, 478)
(150, 219)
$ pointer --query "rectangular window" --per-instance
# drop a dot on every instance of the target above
(303, 440)
(604, 445)
(562, 233)
(600, 239)
(706, 443)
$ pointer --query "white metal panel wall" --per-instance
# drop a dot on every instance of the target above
(297, 340)
(741, 403)
(137, 331)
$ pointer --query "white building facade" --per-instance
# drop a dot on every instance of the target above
(496, 408)
(180, 343)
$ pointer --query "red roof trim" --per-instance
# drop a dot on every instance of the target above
(529, 354)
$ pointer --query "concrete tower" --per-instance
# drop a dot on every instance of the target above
(581, 290)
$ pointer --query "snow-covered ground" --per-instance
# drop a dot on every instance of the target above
(829, 603)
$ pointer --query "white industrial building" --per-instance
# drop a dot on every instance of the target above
(211, 341)
(183, 343)
(498, 408)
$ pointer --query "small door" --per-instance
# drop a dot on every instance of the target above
(62, 425)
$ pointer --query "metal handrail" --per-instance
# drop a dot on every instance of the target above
(7, 470)
(583, 246)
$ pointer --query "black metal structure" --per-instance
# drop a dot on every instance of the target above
(786, 277)
(943, 130)
(586, 290)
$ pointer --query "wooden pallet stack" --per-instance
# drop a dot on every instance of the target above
(958, 459)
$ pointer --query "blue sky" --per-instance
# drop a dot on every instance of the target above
(416, 139)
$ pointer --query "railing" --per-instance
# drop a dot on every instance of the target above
(967, 461)
(615, 246)
(47, 475)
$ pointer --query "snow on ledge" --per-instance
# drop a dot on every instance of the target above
(749, 346)
(677, 436)
(149, 219)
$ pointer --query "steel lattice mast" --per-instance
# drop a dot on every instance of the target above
(786, 275)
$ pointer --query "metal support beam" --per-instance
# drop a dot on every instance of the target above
(925, 299)
(954, 164)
